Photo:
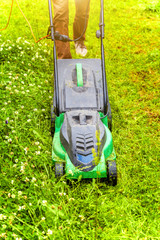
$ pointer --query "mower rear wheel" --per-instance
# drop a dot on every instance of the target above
(112, 172)
(59, 169)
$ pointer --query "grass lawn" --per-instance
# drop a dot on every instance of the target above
(33, 205)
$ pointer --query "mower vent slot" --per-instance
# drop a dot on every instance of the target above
(84, 143)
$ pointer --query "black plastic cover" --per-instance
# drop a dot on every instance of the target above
(72, 97)
(78, 137)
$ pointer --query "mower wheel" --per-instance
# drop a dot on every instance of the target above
(59, 169)
(112, 173)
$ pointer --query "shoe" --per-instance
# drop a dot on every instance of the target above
(80, 48)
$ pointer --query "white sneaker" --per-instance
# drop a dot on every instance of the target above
(80, 49)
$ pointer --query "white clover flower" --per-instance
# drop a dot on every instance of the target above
(9, 195)
(35, 110)
(29, 120)
(26, 179)
(5, 103)
(61, 193)
(29, 64)
(33, 59)
(25, 75)
(49, 232)
(22, 82)
(18, 40)
(16, 91)
(43, 110)
(9, 140)
(13, 196)
(19, 208)
(19, 193)
(26, 150)
(30, 204)
(2, 217)
(22, 169)
(37, 152)
(26, 42)
(44, 202)
(81, 217)
(22, 88)
(33, 179)
(71, 199)
(16, 112)
(23, 92)
(12, 181)
(43, 184)
(3, 235)
(27, 91)
(39, 147)
(43, 218)
(16, 160)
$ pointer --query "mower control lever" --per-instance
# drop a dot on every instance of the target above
(98, 34)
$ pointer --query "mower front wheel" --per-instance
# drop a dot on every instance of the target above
(59, 169)
(112, 173)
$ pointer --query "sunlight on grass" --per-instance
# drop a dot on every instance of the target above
(33, 204)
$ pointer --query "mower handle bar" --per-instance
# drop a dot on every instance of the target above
(64, 38)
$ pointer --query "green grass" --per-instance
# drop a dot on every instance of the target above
(33, 205)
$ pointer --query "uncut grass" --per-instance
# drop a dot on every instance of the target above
(33, 204)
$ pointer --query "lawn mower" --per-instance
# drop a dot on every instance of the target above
(81, 115)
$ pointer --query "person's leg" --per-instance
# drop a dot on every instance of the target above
(60, 21)
(81, 18)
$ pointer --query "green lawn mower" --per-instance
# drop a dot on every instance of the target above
(81, 115)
